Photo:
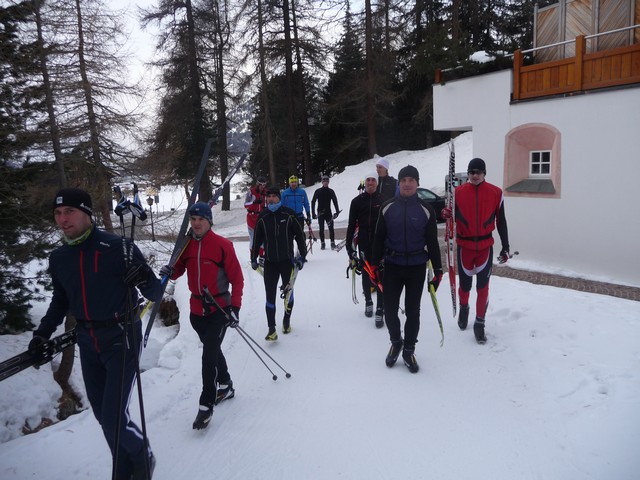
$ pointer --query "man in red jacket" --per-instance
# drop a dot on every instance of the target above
(479, 209)
(212, 265)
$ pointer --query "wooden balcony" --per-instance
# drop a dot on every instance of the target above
(585, 71)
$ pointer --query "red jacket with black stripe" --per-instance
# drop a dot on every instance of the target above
(479, 209)
(211, 261)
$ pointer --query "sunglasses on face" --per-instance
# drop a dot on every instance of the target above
(474, 172)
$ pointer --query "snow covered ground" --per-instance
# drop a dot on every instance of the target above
(554, 393)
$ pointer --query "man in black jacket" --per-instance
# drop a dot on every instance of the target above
(363, 215)
(406, 239)
(276, 230)
(324, 196)
(94, 276)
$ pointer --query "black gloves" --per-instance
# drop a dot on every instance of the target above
(254, 264)
(299, 262)
(308, 221)
(335, 215)
(166, 271)
(355, 262)
(314, 216)
(435, 281)
(39, 347)
(136, 274)
(504, 255)
(233, 316)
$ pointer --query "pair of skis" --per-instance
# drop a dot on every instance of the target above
(450, 227)
(287, 290)
(39, 357)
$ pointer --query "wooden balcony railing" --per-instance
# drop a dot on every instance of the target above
(585, 71)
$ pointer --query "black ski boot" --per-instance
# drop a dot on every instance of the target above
(333, 245)
(368, 309)
(322, 246)
(394, 353)
(408, 355)
(478, 331)
(379, 317)
(203, 418)
(463, 317)
(225, 391)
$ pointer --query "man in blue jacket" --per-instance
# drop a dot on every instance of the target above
(95, 277)
(297, 200)
(406, 238)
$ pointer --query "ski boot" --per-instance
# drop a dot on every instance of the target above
(463, 317)
(408, 355)
(286, 324)
(203, 418)
(379, 317)
(368, 309)
(322, 246)
(224, 392)
(394, 353)
(333, 245)
(272, 336)
(478, 331)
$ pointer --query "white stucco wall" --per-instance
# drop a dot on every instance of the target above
(594, 227)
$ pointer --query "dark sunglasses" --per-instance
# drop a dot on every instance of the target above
(474, 172)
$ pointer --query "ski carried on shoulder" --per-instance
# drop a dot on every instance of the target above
(43, 355)
(183, 238)
(450, 228)
(218, 191)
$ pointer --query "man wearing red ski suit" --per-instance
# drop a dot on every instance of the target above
(479, 209)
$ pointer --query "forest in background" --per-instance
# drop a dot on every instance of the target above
(303, 87)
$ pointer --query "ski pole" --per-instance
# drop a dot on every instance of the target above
(240, 330)
(273, 375)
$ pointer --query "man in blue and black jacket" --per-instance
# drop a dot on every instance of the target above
(95, 276)
(406, 239)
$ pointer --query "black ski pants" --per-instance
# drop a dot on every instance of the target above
(211, 331)
(103, 354)
(273, 271)
(322, 218)
(410, 279)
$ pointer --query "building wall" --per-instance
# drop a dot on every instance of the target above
(593, 227)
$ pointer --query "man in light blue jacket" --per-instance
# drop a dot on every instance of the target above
(296, 199)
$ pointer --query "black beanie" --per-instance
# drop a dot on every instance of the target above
(477, 164)
(274, 190)
(409, 171)
(74, 197)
